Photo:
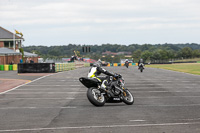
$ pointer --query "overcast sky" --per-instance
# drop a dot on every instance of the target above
(61, 22)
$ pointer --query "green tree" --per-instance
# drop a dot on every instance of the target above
(137, 55)
(163, 54)
(186, 52)
(54, 52)
(146, 55)
(196, 53)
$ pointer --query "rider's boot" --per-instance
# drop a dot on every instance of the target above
(105, 86)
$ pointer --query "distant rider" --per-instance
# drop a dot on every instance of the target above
(96, 70)
(126, 63)
(140, 62)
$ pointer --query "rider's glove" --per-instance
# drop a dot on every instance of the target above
(116, 75)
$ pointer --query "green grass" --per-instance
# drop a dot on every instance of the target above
(193, 68)
(194, 59)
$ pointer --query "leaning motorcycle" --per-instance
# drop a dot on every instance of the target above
(141, 67)
(115, 94)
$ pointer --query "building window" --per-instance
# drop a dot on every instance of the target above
(8, 44)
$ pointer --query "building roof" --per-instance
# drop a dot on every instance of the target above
(4, 51)
(27, 54)
(5, 34)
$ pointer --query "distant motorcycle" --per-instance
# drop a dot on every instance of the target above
(127, 64)
(141, 67)
(116, 93)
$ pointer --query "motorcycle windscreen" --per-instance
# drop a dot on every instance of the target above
(89, 82)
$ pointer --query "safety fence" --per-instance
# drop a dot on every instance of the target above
(70, 66)
(64, 67)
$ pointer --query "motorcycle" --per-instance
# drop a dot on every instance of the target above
(141, 67)
(127, 64)
(115, 94)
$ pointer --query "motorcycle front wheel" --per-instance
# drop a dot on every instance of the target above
(128, 97)
(95, 97)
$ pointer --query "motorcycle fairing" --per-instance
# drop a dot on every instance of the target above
(89, 82)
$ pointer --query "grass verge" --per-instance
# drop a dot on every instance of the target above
(193, 68)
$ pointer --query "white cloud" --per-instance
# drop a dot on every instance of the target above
(92, 16)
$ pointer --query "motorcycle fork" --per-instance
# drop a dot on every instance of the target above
(124, 93)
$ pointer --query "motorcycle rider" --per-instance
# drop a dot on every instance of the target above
(140, 62)
(96, 70)
(126, 62)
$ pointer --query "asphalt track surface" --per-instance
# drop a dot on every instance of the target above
(165, 102)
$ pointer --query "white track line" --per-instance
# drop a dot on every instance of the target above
(175, 105)
(163, 91)
(169, 97)
(69, 107)
(137, 120)
(37, 99)
(188, 119)
(54, 85)
(26, 83)
(106, 126)
(43, 92)
(83, 98)
(46, 89)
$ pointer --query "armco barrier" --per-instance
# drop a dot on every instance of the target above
(36, 67)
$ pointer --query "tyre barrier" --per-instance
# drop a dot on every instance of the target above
(6, 67)
(116, 64)
(15, 67)
(1, 67)
(119, 64)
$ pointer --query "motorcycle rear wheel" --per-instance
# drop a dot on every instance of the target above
(95, 97)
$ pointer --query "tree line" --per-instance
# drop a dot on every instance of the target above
(149, 52)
